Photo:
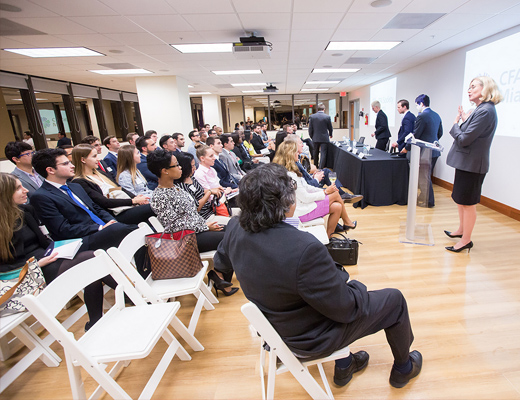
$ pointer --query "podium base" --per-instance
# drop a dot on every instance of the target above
(423, 235)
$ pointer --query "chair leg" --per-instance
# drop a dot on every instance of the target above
(271, 375)
(196, 312)
(208, 293)
(207, 304)
(181, 329)
(325, 381)
(76, 383)
(173, 342)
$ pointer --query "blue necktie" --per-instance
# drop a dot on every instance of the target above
(92, 216)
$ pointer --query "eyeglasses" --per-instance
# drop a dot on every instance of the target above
(64, 163)
(294, 184)
(172, 166)
(195, 135)
(29, 153)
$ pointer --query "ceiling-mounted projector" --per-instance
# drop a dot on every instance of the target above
(252, 47)
(270, 89)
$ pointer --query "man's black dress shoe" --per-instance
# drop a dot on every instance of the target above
(399, 380)
(342, 376)
(351, 198)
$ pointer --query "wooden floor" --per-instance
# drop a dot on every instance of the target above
(464, 308)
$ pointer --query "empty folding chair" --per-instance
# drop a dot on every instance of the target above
(289, 362)
(156, 291)
(121, 335)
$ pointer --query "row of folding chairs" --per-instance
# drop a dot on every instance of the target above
(119, 261)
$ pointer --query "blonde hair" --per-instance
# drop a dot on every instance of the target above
(201, 150)
(125, 161)
(83, 151)
(10, 215)
(490, 90)
(285, 156)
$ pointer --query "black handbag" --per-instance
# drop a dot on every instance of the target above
(343, 250)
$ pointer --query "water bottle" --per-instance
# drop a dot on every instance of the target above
(344, 140)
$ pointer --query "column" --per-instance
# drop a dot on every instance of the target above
(164, 102)
(212, 110)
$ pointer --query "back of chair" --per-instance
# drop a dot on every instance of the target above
(156, 224)
(361, 139)
(134, 240)
(258, 320)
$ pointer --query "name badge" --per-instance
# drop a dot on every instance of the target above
(193, 189)
(109, 169)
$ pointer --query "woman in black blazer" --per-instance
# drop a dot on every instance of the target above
(21, 239)
(136, 209)
(300, 290)
(469, 155)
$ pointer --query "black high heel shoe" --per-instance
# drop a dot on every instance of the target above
(218, 282)
(467, 246)
(230, 293)
(448, 233)
(346, 227)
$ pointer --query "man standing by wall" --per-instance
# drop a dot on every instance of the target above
(403, 107)
(382, 133)
(320, 130)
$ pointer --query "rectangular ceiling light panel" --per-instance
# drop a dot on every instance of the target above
(120, 71)
(333, 70)
(56, 52)
(340, 46)
(239, 72)
(203, 48)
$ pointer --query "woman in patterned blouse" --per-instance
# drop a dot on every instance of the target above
(177, 211)
(204, 198)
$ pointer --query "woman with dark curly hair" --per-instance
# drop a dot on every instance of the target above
(296, 284)
(177, 212)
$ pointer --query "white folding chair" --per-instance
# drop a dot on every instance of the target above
(121, 335)
(207, 255)
(315, 227)
(278, 349)
(158, 291)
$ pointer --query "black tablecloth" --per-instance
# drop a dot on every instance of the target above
(380, 178)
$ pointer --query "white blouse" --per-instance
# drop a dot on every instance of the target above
(306, 195)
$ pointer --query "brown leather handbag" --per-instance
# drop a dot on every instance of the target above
(173, 255)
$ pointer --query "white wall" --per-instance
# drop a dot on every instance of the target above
(442, 79)
(212, 110)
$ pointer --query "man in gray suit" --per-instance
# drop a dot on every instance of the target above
(20, 154)
(229, 158)
(320, 130)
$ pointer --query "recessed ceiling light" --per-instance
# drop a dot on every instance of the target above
(249, 84)
(361, 45)
(321, 82)
(313, 90)
(198, 93)
(203, 48)
(381, 3)
(133, 71)
(191, 86)
(333, 70)
(238, 72)
(252, 91)
(56, 52)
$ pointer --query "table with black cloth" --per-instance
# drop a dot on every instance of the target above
(380, 178)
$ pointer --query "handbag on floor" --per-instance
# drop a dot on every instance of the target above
(173, 255)
(17, 283)
(343, 250)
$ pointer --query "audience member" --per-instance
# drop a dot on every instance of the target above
(167, 143)
(128, 176)
(226, 179)
(67, 211)
(206, 175)
(124, 205)
(151, 134)
(146, 146)
(63, 140)
(178, 138)
(195, 140)
(113, 145)
(247, 162)
(313, 202)
(21, 154)
(228, 157)
(132, 137)
(28, 138)
(102, 165)
(177, 212)
(21, 239)
(311, 303)
(256, 139)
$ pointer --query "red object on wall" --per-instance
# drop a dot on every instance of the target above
(343, 94)
(366, 119)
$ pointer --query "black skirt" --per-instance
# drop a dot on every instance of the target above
(467, 187)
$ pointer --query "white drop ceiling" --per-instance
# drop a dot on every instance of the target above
(141, 33)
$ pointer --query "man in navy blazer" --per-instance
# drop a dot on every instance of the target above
(428, 127)
(146, 146)
(67, 217)
(226, 180)
(382, 133)
(20, 154)
(113, 145)
(407, 124)
(320, 130)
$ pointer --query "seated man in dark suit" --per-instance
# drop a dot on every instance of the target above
(20, 154)
(146, 146)
(63, 139)
(256, 139)
(67, 211)
(226, 180)
(113, 145)
(311, 303)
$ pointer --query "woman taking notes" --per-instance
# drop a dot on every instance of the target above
(469, 155)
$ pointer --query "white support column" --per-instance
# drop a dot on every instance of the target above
(212, 110)
(165, 104)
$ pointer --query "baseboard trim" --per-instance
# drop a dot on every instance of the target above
(485, 201)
